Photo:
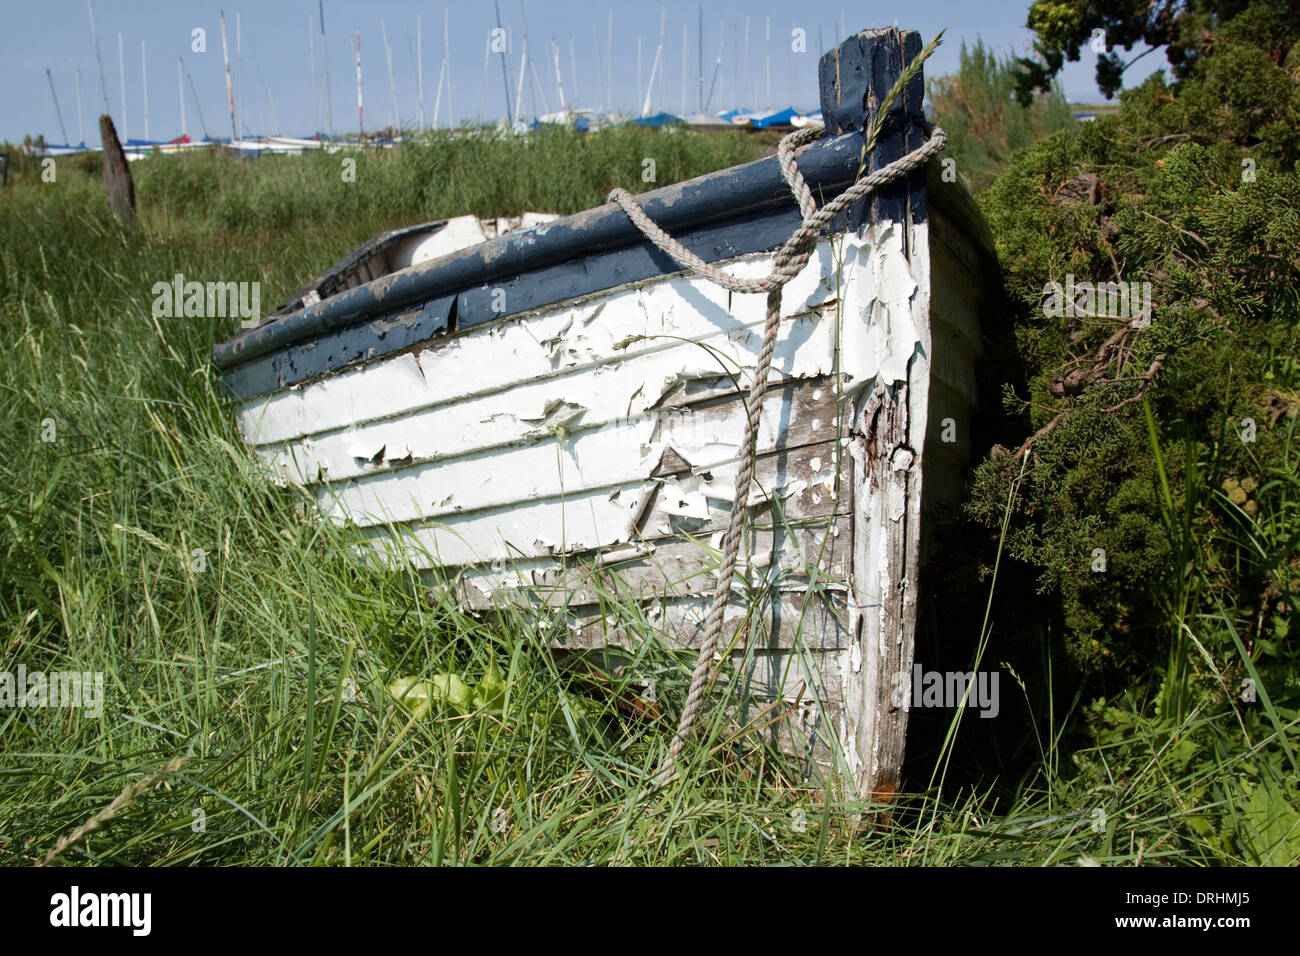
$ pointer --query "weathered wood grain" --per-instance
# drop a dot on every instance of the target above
(631, 403)
(768, 619)
(683, 565)
(118, 183)
(887, 441)
(704, 326)
(805, 485)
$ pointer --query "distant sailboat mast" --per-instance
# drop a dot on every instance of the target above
(535, 85)
(767, 70)
(573, 70)
(601, 96)
(659, 52)
(361, 114)
(121, 77)
(684, 41)
(737, 93)
(325, 70)
(144, 87)
(275, 120)
(532, 75)
(81, 116)
(699, 60)
(663, 72)
(482, 93)
(505, 68)
(239, 71)
(194, 93)
(415, 75)
(311, 54)
(559, 80)
(717, 68)
(392, 87)
(437, 100)
(446, 39)
(744, 82)
(94, 38)
(180, 89)
(230, 96)
(57, 112)
(519, 88)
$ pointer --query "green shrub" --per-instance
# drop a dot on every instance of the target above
(1194, 189)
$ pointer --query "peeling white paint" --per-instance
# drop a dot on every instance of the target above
(673, 313)
(878, 309)
(580, 428)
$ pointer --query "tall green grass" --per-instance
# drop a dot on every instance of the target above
(238, 631)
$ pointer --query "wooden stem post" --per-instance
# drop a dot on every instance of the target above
(888, 422)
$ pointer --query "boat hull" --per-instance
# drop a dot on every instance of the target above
(554, 419)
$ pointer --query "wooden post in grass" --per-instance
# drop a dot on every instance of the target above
(117, 175)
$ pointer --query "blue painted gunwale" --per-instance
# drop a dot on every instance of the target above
(733, 212)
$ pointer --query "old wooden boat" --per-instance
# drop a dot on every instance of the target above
(537, 416)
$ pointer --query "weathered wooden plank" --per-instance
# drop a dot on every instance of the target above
(952, 362)
(956, 223)
(878, 331)
(807, 485)
(784, 676)
(807, 729)
(794, 674)
(960, 251)
(955, 299)
(693, 441)
(599, 271)
(681, 566)
(949, 424)
(623, 328)
(392, 331)
(813, 620)
(627, 412)
(883, 52)
(943, 482)
(887, 444)
(887, 437)
(913, 134)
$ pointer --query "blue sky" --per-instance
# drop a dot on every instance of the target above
(55, 35)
